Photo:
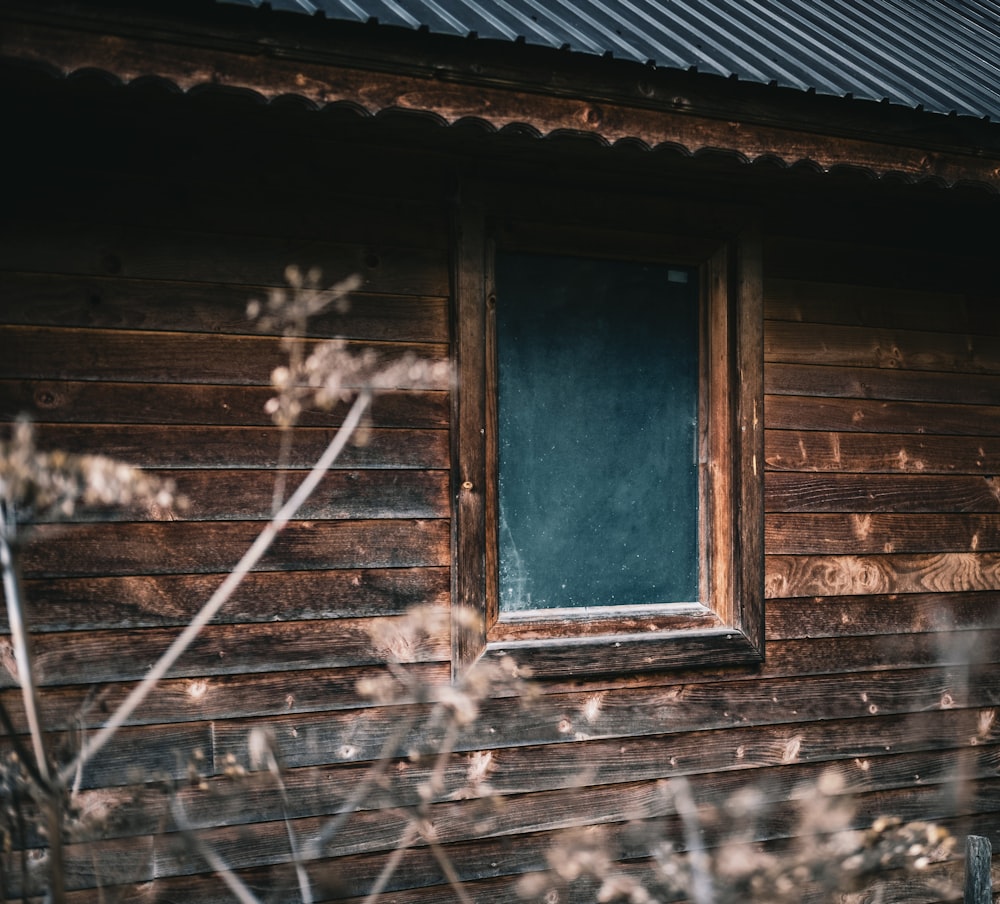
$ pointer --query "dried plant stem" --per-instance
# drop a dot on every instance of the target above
(402, 846)
(48, 796)
(701, 880)
(225, 590)
(233, 882)
(22, 655)
(378, 769)
(448, 868)
(303, 877)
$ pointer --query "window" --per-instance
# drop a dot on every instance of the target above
(607, 445)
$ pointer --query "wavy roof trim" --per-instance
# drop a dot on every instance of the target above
(941, 56)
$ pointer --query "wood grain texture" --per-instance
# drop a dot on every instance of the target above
(879, 383)
(795, 412)
(114, 303)
(804, 301)
(178, 547)
(113, 406)
(317, 791)
(864, 533)
(875, 493)
(900, 349)
(151, 357)
(98, 657)
(247, 495)
(239, 695)
(880, 453)
(901, 573)
(832, 616)
(153, 600)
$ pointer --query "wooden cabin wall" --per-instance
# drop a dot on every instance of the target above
(125, 269)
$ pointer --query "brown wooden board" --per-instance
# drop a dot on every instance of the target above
(899, 349)
(786, 491)
(104, 409)
(110, 302)
(179, 547)
(795, 412)
(885, 615)
(869, 306)
(894, 573)
(148, 357)
(247, 495)
(880, 383)
(100, 656)
(136, 601)
(878, 453)
(862, 533)
(318, 791)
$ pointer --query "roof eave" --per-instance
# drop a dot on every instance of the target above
(500, 85)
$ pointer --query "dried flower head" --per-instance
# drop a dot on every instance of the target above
(288, 310)
(36, 484)
(333, 371)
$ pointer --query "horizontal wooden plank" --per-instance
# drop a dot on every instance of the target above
(116, 404)
(840, 616)
(886, 714)
(317, 791)
(880, 453)
(493, 877)
(617, 806)
(31, 352)
(247, 495)
(879, 383)
(742, 757)
(170, 447)
(968, 650)
(138, 252)
(787, 576)
(229, 696)
(96, 657)
(200, 547)
(107, 302)
(873, 416)
(865, 532)
(849, 346)
(803, 301)
(79, 604)
(786, 491)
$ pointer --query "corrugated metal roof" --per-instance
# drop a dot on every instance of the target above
(939, 55)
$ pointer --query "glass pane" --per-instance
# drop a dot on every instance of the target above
(598, 411)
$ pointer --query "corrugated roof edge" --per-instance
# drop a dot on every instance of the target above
(504, 87)
(915, 61)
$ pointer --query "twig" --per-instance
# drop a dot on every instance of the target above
(225, 589)
(19, 749)
(329, 831)
(22, 654)
(48, 794)
(448, 868)
(304, 887)
(233, 882)
(701, 881)
(409, 836)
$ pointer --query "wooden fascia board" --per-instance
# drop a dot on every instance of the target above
(272, 71)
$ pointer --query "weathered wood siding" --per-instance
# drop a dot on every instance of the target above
(124, 280)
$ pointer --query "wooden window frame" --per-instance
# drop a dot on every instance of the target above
(724, 628)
